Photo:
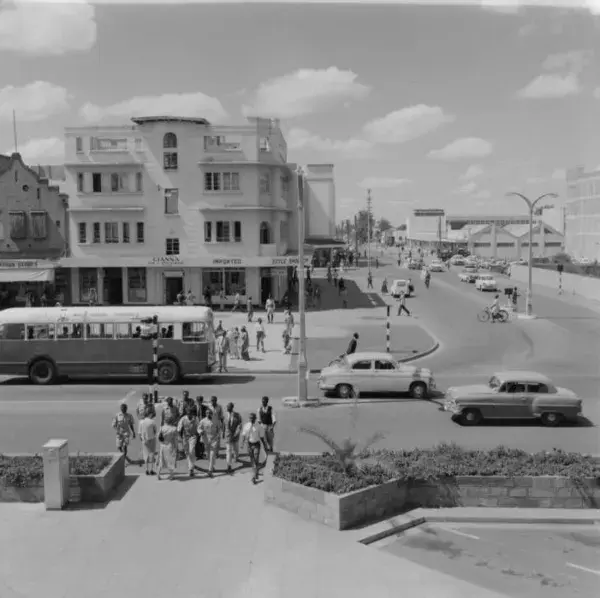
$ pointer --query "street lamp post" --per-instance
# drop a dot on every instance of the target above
(531, 205)
(302, 362)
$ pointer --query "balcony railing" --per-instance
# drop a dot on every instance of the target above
(223, 146)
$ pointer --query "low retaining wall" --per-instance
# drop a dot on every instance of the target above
(83, 488)
(377, 502)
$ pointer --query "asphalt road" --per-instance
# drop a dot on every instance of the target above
(563, 344)
(519, 561)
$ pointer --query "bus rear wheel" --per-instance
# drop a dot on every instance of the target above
(42, 372)
(168, 371)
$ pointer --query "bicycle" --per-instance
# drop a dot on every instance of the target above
(486, 315)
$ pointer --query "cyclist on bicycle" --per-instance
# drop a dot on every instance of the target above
(495, 308)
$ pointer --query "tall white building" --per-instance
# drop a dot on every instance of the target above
(582, 214)
(171, 204)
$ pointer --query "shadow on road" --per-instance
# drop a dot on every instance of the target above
(118, 494)
(582, 422)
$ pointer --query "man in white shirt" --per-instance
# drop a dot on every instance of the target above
(253, 435)
(147, 432)
(270, 307)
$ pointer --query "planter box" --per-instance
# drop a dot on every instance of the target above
(83, 488)
(365, 506)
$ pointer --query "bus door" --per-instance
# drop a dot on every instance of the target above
(194, 338)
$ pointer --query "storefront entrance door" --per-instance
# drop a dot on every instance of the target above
(173, 286)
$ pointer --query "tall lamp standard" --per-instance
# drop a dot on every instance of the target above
(302, 362)
(531, 205)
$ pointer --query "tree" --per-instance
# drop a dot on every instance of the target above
(384, 224)
(363, 218)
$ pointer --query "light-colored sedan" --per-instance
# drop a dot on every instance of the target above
(469, 274)
(513, 395)
(375, 373)
(436, 266)
(486, 282)
(400, 286)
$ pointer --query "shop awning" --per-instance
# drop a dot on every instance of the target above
(27, 275)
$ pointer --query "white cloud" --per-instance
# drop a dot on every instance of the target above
(550, 87)
(47, 28)
(511, 7)
(535, 180)
(467, 147)
(573, 61)
(382, 183)
(305, 91)
(33, 102)
(481, 194)
(473, 172)
(467, 189)
(50, 150)
(406, 124)
(559, 174)
(192, 105)
(301, 139)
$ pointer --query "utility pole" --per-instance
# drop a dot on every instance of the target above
(369, 201)
(302, 362)
(356, 238)
(15, 132)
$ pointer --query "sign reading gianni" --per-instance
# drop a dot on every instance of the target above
(166, 260)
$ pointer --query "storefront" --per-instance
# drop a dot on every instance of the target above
(158, 280)
(26, 282)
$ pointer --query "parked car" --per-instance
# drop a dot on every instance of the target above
(457, 260)
(469, 274)
(400, 285)
(414, 265)
(486, 282)
(436, 266)
(375, 373)
(513, 395)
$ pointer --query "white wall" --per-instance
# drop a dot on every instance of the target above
(320, 200)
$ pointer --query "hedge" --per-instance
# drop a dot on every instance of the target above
(326, 473)
(29, 470)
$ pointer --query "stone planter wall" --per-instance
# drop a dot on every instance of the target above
(83, 488)
(378, 502)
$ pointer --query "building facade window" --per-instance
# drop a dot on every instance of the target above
(118, 182)
(18, 225)
(96, 233)
(78, 145)
(80, 182)
(88, 279)
(208, 232)
(505, 244)
(265, 233)
(223, 231)
(237, 231)
(140, 232)
(136, 285)
(39, 224)
(138, 144)
(214, 280)
(83, 232)
(97, 182)
(226, 281)
(38, 193)
(111, 232)
(265, 144)
(171, 201)
(139, 182)
(283, 231)
(265, 183)
(212, 181)
(125, 232)
(172, 246)
(231, 181)
(170, 158)
(285, 186)
(170, 141)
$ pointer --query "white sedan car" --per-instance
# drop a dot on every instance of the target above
(372, 372)
(486, 282)
(436, 266)
(399, 286)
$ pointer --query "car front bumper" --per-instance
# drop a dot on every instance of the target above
(324, 385)
(451, 406)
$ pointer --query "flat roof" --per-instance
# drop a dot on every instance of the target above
(141, 120)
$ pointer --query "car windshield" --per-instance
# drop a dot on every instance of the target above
(494, 382)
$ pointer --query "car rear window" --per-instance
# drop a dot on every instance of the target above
(537, 387)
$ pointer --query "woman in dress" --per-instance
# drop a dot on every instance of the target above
(244, 344)
(167, 437)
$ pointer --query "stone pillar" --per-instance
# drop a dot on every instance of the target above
(56, 474)
(125, 279)
(494, 248)
(100, 284)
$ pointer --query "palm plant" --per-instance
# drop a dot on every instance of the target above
(350, 453)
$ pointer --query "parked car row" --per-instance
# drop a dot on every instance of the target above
(510, 394)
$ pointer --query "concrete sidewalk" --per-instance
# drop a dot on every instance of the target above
(198, 539)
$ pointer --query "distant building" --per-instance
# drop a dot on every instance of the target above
(582, 214)
(426, 226)
(33, 233)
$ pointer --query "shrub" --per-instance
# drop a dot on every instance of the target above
(445, 460)
(28, 470)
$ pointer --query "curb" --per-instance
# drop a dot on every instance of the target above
(412, 522)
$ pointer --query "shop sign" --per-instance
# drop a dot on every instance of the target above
(166, 260)
(222, 261)
(21, 264)
(292, 260)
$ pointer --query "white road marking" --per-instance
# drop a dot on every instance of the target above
(574, 566)
(464, 534)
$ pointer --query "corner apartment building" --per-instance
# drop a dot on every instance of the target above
(33, 233)
(582, 214)
(170, 204)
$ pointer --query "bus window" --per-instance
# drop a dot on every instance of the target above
(99, 331)
(166, 330)
(13, 332)
(77, 331)
(40, 332)
(137, 331)
(123, 330)
(193, 332)
(64, 331)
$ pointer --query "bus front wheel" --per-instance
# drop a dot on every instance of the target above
(42, 371)
(168, 371)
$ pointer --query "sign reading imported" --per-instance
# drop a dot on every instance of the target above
(227, 262)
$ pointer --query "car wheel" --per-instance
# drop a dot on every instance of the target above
(471, 417)
(551, 419)
(168, 371)
(42, 372)
(344, 391)
(418, 390)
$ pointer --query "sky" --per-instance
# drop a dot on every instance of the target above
(428, 106)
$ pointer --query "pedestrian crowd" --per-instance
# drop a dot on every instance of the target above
(191, 430)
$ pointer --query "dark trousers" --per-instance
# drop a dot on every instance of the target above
(402, 308)
(254, 454)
